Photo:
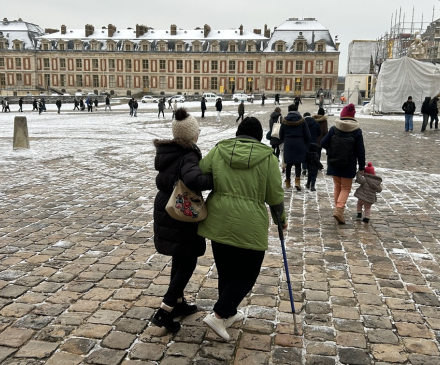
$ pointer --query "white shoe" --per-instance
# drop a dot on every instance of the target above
(218, 325)
(237, 318)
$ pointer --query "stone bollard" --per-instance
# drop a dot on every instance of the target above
(21, 135)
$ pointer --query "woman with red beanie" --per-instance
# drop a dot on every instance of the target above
(345, 150)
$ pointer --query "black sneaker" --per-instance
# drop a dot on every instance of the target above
(312, 188)
(183, 309)
(366, 220)
(359, 216)
(304, 172)
(162, 318)
(308, 186)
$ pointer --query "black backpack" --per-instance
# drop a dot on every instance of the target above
(341, 149)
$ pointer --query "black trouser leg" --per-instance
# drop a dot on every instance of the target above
(311, 179)
(238, 270)
(288, 170)
(182, 268)
(298, 169)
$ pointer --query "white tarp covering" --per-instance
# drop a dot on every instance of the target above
(405, 77)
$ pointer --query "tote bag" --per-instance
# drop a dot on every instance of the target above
(276, 129)
(184, 204)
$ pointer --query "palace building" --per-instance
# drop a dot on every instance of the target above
(297, 58)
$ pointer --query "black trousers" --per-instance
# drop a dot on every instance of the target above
(289, 170)
(240, 116)
(160, 111)
(276, 150)
(434, 118)
(182, 268)
(311, 178)
(238, 270)
(203, 113)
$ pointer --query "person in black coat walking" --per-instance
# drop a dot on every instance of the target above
(315, 133)
(20, 105)
(275, 142)
(277, 99)
(135, 108)
(82, 105)
(433, 112)
(178, 159)
(75, 104)
(130, 104)
(409, 108)
(263, 98)
(107, 103)
(58, 104)
(297, 101)
(313, 165)
(35, 105)
(218, 107)
(203, 106)
(425, 112)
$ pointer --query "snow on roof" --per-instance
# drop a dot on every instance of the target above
(20, 30)
(301, 25)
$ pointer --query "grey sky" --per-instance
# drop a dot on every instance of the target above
(348, 19)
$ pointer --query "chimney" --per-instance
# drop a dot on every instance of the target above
(50, 30)
(63, 29)
(206, 30)
(257, 31)
(90, 29)
(266, 31)
(141, 30)
(111, 30)
(241, 29)
(337, 45)
(173, 29)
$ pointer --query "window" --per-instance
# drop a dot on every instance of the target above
(179, 64)
(127, 65)
(18, 62)
(145, 64)
(112, 81)
(280, 48)
(111, 47)
(299, 65)
(179, 48)
(111, 63)
(2, 80)
(214, 48)
(232, 48)
(250, 48)
(128, 83)
(320, 48)
(62, 46)
(95, 80)
(196, 48)
(78, 47)
(179, 82)
(128, 47)
(214, 65)
(196, 65)
(62, 62)
(162, 65)
(162, 47)
(300, 47)
(2, 45)
(79, 63)
(279, 65)
(278, 84)
(232, 66)
(318, 83)
(45, 47)
(19, 78)
(46, 63)
(213, 83)
(79, 80)
(145, 47)
(17, 46)
(319, 65)
(250, 65)
(2, 62)
(297, 84)
(62, 80)
(162, 82)
(94, 63)
(145, 82)
(196, 83)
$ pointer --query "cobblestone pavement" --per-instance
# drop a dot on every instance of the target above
(80, 279)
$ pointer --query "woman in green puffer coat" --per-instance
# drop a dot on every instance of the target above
(246, 178)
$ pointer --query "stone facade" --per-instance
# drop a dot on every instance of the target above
(298, 57)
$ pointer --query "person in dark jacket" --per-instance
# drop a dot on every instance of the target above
(161, 107)
(107, 103)
(81, 104)
(43, 102)
(95, 102)
(313, 166)
(296, 136)
(277, 99)
(240, 111)
(409, 108)
(135, 107)
(89, 103)
(297, 101)
(343, 176)
(218, 107)
(20, 105)
(35, 105)
(315, 133)
(75, 104)
(275, 142)
(321, 119)
(433, 112)
(40, 106)
(178, 159)
(263, 98)
(203, 106)
(425, 112)
(58, 104)
(130, 104)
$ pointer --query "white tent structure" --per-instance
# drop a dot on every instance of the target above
(405, 77)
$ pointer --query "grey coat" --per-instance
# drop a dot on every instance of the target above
(370, 185)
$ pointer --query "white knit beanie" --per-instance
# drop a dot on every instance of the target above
(185, 126)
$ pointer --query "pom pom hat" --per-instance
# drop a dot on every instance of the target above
(348, 111)
(369, 169)
(185, 126)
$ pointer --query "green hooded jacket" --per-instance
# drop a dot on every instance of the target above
(246, 176)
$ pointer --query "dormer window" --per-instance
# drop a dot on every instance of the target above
(320, 47)
(179, 46)
(300, 47)
(215, 47)
(2, 45)
(128, 47)
(94, 46)
(162, 46)
(18, 45)
(110, 45)
(232, 48)
(250, 46)
(280, 46)
(196, 47)
(45, 47)
(78, 46)
(61, 46)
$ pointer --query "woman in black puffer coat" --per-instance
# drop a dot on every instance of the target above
(275, 142)
(178, 159)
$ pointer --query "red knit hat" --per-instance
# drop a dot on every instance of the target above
(348, 111)
(369, 169)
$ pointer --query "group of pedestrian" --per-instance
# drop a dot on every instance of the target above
(429, 112)
(133, 105)
(5, 106)
(243, 175)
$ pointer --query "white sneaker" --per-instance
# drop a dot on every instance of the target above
(237, 318)
(218, 325)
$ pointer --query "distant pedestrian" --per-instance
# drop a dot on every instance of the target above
(433, 112)
(107, 103)
(277, 99)
(174, 109)
(58, 104)
(130, 104)
(81, 104)
(169, 103)
(321, 100)
(75, 104)
(297, 101)
(95, 102)
(203, 106)
(321, 119)
(366, 193)
(135, 107)
(240, 111)
(43, 102)
(34, 105)
(263, 98)
(89, 103)
(3, 105)
(409, 108)
(425, 112)
(275, 142)
(6, 103)
(313, 166)
(218, 107)
(20, 105)
(315, 132)
(40, 106)
(161, 107)
(251, 98)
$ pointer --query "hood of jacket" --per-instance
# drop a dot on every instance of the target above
(346, 124)
(293, 119)
(320, 118)
(309, 120)
(169, 150)
(243, 152)
(373, 181)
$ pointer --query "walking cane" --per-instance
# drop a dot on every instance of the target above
(286, 268)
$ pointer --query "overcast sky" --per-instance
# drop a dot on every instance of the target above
(347, 19)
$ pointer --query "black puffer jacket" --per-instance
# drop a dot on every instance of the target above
(172, 237)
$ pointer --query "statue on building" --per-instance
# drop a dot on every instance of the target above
(418, 49)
